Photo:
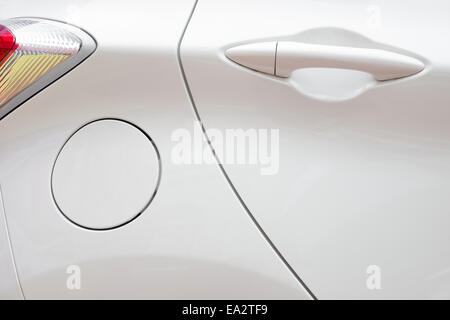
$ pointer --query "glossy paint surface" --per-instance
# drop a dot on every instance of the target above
(106, 175)
(364, 165)
(9, 286)
(361, 183)
(195, 240)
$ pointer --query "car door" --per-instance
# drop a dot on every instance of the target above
(358, 204)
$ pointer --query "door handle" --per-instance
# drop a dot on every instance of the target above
(281, 58)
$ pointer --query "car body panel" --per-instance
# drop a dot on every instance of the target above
(194, 240)
(363, 172)
(9, 284)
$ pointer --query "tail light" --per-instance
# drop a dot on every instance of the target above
(34, 53)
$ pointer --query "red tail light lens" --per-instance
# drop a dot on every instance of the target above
(7, 43)
(34, 53)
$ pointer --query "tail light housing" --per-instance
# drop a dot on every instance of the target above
(34, 53)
